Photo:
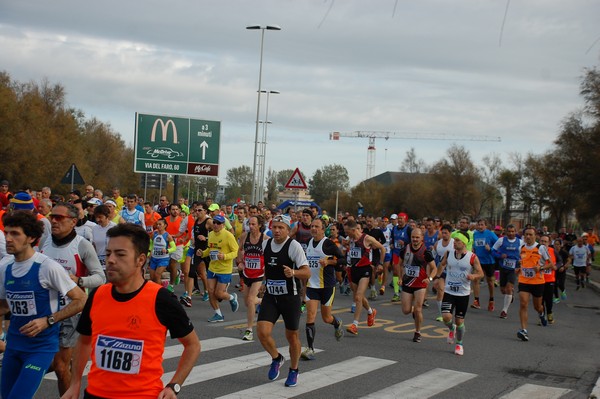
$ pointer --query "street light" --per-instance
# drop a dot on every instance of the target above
(263, 166)
(262, 39)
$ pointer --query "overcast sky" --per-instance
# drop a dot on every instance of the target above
(426, 66)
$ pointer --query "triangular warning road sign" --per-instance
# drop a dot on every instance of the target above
(72, 176)
(296, 181)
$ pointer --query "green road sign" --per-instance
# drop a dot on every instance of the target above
(165, 144)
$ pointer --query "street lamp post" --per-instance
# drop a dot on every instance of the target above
(262, 39)
(264, 145)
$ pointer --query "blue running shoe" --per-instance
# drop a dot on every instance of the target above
(275, 366)
(234, 303)
(353, 308)
(292, 379)
(205, 297)
(216, 318)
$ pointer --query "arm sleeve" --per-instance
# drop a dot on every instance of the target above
(172, 247)
(171, 314)
(90, 259)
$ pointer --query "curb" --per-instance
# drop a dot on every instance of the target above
(592, 284)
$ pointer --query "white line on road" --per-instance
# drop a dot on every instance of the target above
(531, 391)
(425, 385)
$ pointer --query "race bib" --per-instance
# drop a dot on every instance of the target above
(509, 263)
(480, 242)
(313, 262)
(252, 263)
(277, 287)
(528, 272)
(214, 255)
(548, 271)
(119, 355)
(412, 271)
(399, 244)
(355, 252)
(157, 252)
(21, 303)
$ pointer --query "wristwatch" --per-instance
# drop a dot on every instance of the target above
(50, 320)
(80, 282)
(175, 387)
(430, 278)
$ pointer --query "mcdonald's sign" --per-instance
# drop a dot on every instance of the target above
(176, 145)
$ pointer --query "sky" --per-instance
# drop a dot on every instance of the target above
(508, 69)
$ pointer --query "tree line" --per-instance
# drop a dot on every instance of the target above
(42, 136)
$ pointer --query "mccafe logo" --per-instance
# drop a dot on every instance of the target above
(165, 130)
(202, 168)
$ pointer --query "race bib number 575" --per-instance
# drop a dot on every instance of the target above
(119, 355)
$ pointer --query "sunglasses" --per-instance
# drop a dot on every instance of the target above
(216, 222)
(60, 218)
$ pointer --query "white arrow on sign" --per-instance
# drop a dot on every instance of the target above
(204, 146)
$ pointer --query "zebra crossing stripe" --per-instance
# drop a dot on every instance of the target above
(313, 380)
(425, 385)
(222, 368)
(531, 391)
(176, 351)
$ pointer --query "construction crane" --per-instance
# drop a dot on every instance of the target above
(372, 135)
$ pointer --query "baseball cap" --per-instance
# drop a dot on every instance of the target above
(214, 207)
(394, 216)
(94, 201)
(282, 219)
(404, 215)
(219, 218)
(22, 202)
(110, 202)
(498, 228)
(77, 193)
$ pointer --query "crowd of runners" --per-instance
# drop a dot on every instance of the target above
(58, 253)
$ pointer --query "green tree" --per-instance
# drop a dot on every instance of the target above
(272, 190)
(327, 180)
(239, 182)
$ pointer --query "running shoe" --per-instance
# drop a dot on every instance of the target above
(425, 303)
(491, 306)
(216, 318)
(458, 350)
(234, 303)
(522, 334)
(292, 378)
(353, 308)
(439, 318)
(417, 337)
(450, 338)
(339, 331)
(275, 366)
(196, 293)
(373, 295)
(303, 308)
(556, 300)
(178, 278)
(543, 320)
(382, 290)
(503, 315)
(396, 298)
(171, 291)
(371, 318)
(186, 301)
(205, 297)
(352, 329)
(308, 354)
(248, 336)
(563, 296)
(475, 304)
(550, 318)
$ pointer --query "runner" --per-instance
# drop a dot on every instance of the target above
(359, 254)
(324, 257)
(441, 247)
(124, 327)
(103, 224)
(131, 214)
(534, 258)
(417, 267)
(461, 267)
(150, 217)
(579, 256)
(202, 225)
(162, 246)
(400, 237)
(508, 252)
(251, 263)
(483, 241)
(285, 266)
(222, 249)
(549, 278)
(33, 331)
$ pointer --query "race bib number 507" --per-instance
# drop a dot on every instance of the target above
(119, 355)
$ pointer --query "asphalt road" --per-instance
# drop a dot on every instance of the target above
(559, 361)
